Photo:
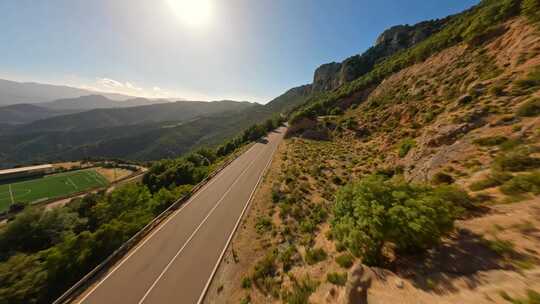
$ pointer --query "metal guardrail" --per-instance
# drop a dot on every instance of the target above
(75, 290)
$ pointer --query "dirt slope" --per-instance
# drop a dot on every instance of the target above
(463, 116)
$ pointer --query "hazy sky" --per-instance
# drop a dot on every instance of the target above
(197, 49)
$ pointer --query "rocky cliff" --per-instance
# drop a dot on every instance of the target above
(332, 75)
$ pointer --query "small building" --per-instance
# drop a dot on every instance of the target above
(22, 172)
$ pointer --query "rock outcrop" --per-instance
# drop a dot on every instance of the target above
(332, 75)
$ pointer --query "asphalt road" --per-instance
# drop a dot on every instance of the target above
(175, 263)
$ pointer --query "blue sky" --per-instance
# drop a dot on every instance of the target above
(245, 49)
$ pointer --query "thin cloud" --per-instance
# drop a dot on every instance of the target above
(111, 83)
(105, 84)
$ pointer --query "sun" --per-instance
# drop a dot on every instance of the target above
(193, 13)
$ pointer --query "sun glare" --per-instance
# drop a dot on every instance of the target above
(193, 13)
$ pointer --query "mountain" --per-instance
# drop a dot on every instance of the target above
(177, 112)
(12, 92)
(90, 102)
(290, 99)
(27, 113)
(140, 133)
(330, 76)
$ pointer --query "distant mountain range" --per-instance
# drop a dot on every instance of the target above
(26, 113)
(12, 92)
(91, 102)
(75, 126)
(140, 133)
(175, 112)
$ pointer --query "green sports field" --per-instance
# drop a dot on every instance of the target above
(49, 186)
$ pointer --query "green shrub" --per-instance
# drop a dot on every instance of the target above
(516, 160)
(246, 300)
(533, 297)
(276, 196)
(263, 224)
(493, 180)
(375, 211)
(490, 140)
(531, 82)
(511, 144)
(314, 256)
(288, 257)
(337, 278)
(531, 9)
(529, 108)
(264, 272)
(246, 283)
(300, 292)
(405, 146)
(522, 183)
(345, 260)
(501, 247)
(497, 90)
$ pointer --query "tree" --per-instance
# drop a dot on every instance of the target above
(376, 211)
(36, 229)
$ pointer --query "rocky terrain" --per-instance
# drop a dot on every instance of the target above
(463, 121)
(333, 75)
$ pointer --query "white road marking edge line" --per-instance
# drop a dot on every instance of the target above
(195, 232)
(157, 230)
(205, 290)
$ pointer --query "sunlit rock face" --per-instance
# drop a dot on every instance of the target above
(330, 76)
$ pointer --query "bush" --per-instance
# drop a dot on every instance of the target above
(493, 180)
(246, 283)
(531, 9)
(516, 160)
(375, 211)
(263, 224)
(501, 247)
(530, 108)
(337, 278)
(289, 257)
(532, 81)
(345, 260)
(314, 256)
(533, 297)
(405, 146)
(497, 90)
(522, 183)
(264, 272)
(490, 140)
(301, 291)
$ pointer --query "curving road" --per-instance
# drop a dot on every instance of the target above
(176, 262)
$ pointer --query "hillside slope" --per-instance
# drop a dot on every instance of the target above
(180, 111)
(460, 121)
(140, 133)
(26, 113)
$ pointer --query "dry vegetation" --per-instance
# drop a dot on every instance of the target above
(113, 174)
(466, 116)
